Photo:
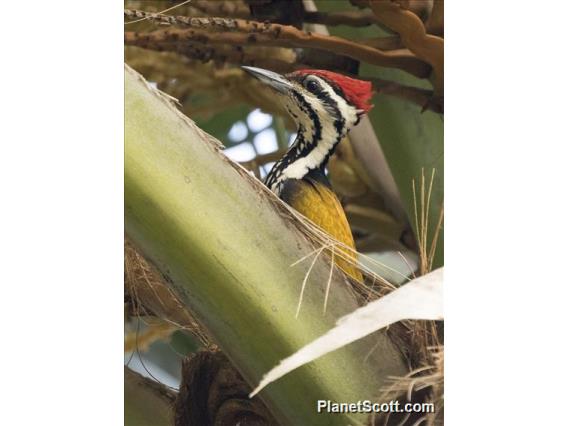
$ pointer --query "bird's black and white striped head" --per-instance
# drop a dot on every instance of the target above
(325, 106)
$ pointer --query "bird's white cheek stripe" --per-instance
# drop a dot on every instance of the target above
(329, 135)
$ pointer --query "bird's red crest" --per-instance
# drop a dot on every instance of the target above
(357, 92)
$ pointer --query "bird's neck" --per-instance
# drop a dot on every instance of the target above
(315, 143)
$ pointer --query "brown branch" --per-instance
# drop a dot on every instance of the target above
(204, 46)
(232, 55)
(421, 8)
(384, 43)
(240, 33)
(413, 34)
(221, 54)
(184, 21)
(230, 9)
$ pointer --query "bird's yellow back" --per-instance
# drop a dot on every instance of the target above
(318, 202)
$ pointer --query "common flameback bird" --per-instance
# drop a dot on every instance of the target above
(325, 106)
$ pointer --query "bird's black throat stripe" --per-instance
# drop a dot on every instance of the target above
(339, 124)
(305, 141)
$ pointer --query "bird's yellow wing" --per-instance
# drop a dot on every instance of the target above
(319, 203)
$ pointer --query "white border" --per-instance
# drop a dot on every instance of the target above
(61, 177)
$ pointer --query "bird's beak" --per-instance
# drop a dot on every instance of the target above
(276, 81)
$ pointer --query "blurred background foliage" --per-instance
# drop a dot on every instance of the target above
(388, 174)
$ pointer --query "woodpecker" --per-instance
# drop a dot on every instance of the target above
(325, 106)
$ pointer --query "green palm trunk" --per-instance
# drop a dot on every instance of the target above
(227, 250)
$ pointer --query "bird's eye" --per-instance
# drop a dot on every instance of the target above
(313, 86)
